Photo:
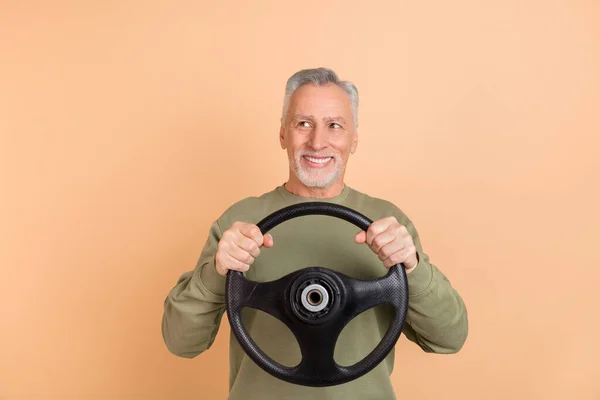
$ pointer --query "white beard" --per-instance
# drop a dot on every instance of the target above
(313, 177)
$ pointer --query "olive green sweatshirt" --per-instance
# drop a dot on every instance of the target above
(193, 310)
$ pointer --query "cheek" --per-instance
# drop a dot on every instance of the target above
(342, 146)
(298, 141)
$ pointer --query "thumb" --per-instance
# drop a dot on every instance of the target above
(360, 237)
(268, 240)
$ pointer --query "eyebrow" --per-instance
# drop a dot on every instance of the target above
(300, 116)
(326, 119)
(331, 119)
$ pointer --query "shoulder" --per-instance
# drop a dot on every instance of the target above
(248, 209)
(376, 207)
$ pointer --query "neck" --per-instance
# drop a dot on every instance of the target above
(294, 186)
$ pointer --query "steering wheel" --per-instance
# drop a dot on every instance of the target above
(316, 303)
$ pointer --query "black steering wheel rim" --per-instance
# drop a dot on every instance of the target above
(352, 297)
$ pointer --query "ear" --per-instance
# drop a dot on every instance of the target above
(354, 142)
(282, 136)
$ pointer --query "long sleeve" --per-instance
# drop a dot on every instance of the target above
(193, 309)
(437, 318)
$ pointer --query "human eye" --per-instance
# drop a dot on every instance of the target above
(335, 125)
(303, 124)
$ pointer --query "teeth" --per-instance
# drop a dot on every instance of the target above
(318, 160)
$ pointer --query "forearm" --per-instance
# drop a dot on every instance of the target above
(193, 309)
(437, 317)
(191, 318)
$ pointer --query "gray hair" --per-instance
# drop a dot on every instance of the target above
(319, 77)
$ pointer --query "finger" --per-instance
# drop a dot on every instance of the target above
(224, 262)
(389, 249)
(401, 244)
(234, 264)
(383, 239)
(378, 227)
(398, 257)
(248, 245)
(268, 240)
(253, 232)
(241, 254)
(361, 237)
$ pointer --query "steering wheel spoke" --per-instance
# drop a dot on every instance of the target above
(265, 296)
(366, 294)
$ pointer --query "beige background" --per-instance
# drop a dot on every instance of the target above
(129, 126)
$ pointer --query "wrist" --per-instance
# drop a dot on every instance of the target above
(411, 269)
(420, 277)
(408, 268)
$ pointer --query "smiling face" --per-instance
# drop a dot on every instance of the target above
(319, 135)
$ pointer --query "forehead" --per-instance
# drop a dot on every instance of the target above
(321, 100)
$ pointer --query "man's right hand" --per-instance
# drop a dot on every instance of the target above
(239, 247)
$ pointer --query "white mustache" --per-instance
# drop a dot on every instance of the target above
(316, 155)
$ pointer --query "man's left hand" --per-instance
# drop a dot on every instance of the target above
(391, 242)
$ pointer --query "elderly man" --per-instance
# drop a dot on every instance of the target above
(319, 132)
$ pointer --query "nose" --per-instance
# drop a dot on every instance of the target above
(318, 138)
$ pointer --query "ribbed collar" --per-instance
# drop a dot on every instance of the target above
(297, 199)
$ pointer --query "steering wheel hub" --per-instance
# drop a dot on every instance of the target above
(314, 295)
